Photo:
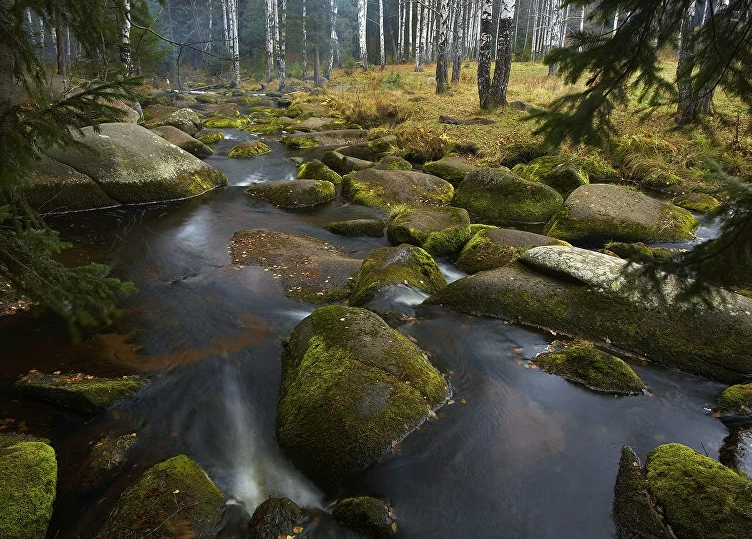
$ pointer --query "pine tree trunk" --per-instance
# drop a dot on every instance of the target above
(304, 52)
(60, 37)
(442, 48)
(281, 49)
(362, 38)
(316, 68)
(684, 68)
(269, 12)
(382, 53)
(484, 53)
(7, 62)
(498, 92)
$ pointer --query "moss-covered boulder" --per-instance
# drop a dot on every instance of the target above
(593, 369)
(634, 514)
(227, 115)
(157, 111)
(599, 213)
(210, 136)
(699, 202)
(291, 194)
(55, 187)
(493, 247)
(357, 227)
(310, 269)
(183, 140)
(186, 120)
(736, 399)
(318, 124)
(28, 479)
(406, 264)
(522, 152)
(134, 165)
(343, 164)
(736, 452)
(316, 170)
(590, 295)
(562, 173)
(276, 517)
(393, 162)
(639, 251)
(439, 230)
(451, 169)
(388, 188)
(79, 392)
(369, 517)
(372, 150)
(497, 195)
(248, 148)
(172, 498)
(324, 138)
(351, 387)
(701, 498)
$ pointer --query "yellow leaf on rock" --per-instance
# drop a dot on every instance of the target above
(297, 529)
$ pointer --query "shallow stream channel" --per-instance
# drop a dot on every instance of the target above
(517, 453)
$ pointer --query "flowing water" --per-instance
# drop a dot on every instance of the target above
(518, 453)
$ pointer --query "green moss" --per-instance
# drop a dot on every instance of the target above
(638, 251)
(173, 495)
(517, 153)
(477, 227)
(79, 392)
(736, 398)
(249, 148)
(392, 162)
(592, 368)
(701, 498)
(316, 170)
(219, 122)
(440, 231)
(28, 479)
(298, 142)
(699, 202)
(405, 264)
(561, 173)
(451, 169)
(385, 189)
(357, 227)
(367, 516)
(210, 137)
(294, 193)
(482, 253)
(351, 386)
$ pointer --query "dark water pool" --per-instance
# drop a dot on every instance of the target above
(519, 454)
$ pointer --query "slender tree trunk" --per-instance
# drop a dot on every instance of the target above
(332, 37)
(382, 54)
(125, 40)
(442, 48)
(498, 92)
(684, 68)
(282, 47)
(234, 46)
(225, 24)
(316, 68)
(211, 26)
(400, 52)
(269, 12)
(410, 34)
(418, 41)
(484, 53)
(304, 53)
(362, 38)
(459, 35)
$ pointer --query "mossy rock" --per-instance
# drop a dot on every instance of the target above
(634, 514)
(351, 387)
(440, 231)
(227, 115)
(171, 498)
(208, 98)
(318, 124)
(406, 264)
(393, 162)
(324, 138)
(518, 153)
(498, 196)
(292, 194)
(451, 169)
(249, 148)
(310, 269)
(491, 247)
(187, 120)
(701, 498)
(598, 213)
(736, 452)
(699, 202)
(561, 173)
(388, 188)
(208, 136)
(357, 227)
(585, 294)
(28, 480)
(371, 518)
(276, 517)
(477, 227)
(639, 251)
(372, 150)
(736, 399)
(79, 392)
(593, 369)
(316, 170)
(343, 164)
(157, 111)
(134, 165)
(183, 140)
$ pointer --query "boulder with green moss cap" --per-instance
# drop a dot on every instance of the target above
(699, 202)
(497, 195)
(388, 188)
(173, 495)
(371, 518)
(343, 164)
(227, 115)
(324, 138)
(561, 173)
(593, 296)
(186, 120)
(521, 152)
(700, 498)
(637, 251)
(372, 150)
(210, 136)
(439, 230)
(310, 269)
(319, 124)
(80, 392)
(183, 140)
(28, 479)
(451, 169)
(316, 170)
(158, 111)
(598, 213)
(276, 517)
(357, 227)
(592, 368)
(406, 264)
(736, 399)
(249, 148)
(351, 388)
(293, 194)
(493, 247)
(393, 162)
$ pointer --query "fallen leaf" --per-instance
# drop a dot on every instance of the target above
(297, 529)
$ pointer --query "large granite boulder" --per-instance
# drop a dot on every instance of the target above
(439, 230)
(183, 140)
(351, 388)
(597, 213)
(589, 295)
(133, 165)
(496, 247)
(388, 188)
(186, 120)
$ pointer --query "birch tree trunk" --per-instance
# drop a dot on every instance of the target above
(424, 23)
(498, 93)
(418, 41)
(233, 13)
(211, 26)
(484, 52)
(410, 46)
(281, 48)
(382, 55)
(400, 52)
(125, 41)
(362, 25)
(332, 37)
(442, 48)
(226, 24)
(304, 52)
(269, 12)
(459, 39)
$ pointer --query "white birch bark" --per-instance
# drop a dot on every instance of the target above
(400, 32)
(225, 25)
(362, 41)
(125, 39)
(211, 25)
(382, 54)
(269, 12)
(418, 44)
(304, 53)
(410, 6)
(332, 37)
(232, 12)
(282, 47)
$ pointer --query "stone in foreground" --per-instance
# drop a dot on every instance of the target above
(351, 387)
(276, 517)
(291, 194)
(388, 188)
(440, 231)
(370, 517)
